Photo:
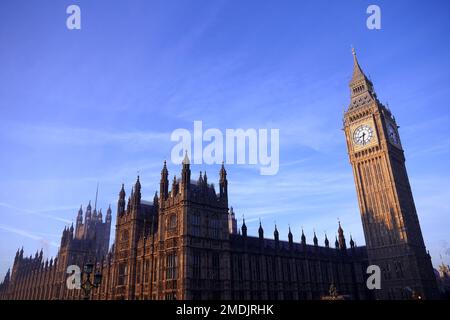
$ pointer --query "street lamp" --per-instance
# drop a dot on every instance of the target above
(88, 285)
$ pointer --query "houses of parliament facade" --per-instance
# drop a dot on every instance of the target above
(185, 244)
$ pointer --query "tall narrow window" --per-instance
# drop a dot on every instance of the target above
(172, 224)
(195, 224)
(122, 274)
(196, 265)
(171, 266)
(215, 266)
(214, 227)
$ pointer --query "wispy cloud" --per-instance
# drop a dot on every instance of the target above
(37, 213)
(78, 136)
(27, 234)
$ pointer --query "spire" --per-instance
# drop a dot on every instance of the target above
(360, 85)
(186, 172)
(336, 243)
(327, 243)
(223, 172)
(164, 183)
(260, 231)
(122, 193)
(315, 240)
(342, 244)
(88, 211)
(186, 161)
(96, 196)
(303, 238)
(244, 228)
(80, 216)
(174, 186)
(205, 179)
(290, 237)
(164, 171)
(137, 186)
(200, 179)
(155, 199)
(121, 201)
(223, 183)
(352, 243)
(276, 234)
(358, 74)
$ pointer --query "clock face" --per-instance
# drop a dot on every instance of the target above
(363, 135)
(393, 136)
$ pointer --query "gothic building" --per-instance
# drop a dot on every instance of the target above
(185, 244)
(33, 278)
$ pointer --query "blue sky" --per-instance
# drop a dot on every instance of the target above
(99, 104)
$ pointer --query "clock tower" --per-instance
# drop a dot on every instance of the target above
(391, 226)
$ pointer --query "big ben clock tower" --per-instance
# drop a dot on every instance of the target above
(391, 226)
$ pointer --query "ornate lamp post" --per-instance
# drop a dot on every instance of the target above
(87, 284)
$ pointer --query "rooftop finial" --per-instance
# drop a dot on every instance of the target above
(96, 196)
(186, 158)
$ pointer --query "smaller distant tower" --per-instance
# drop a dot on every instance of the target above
(232, 223)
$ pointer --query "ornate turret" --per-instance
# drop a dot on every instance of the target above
(232, 223)
(327, 243)
(121, 202)
(223, 183)
(205, 179)
(276, 234)
(17, 256)
(80, 217)
(352, 243)
(137, 193)
(260, 231)
(244, 228)
(186, 173)
(108, 217)
(290, 237)
(175, 189)
(303, 241)
(164, 183)
(315, 240)
(342, 244)
(88, 212)
(155, 199)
